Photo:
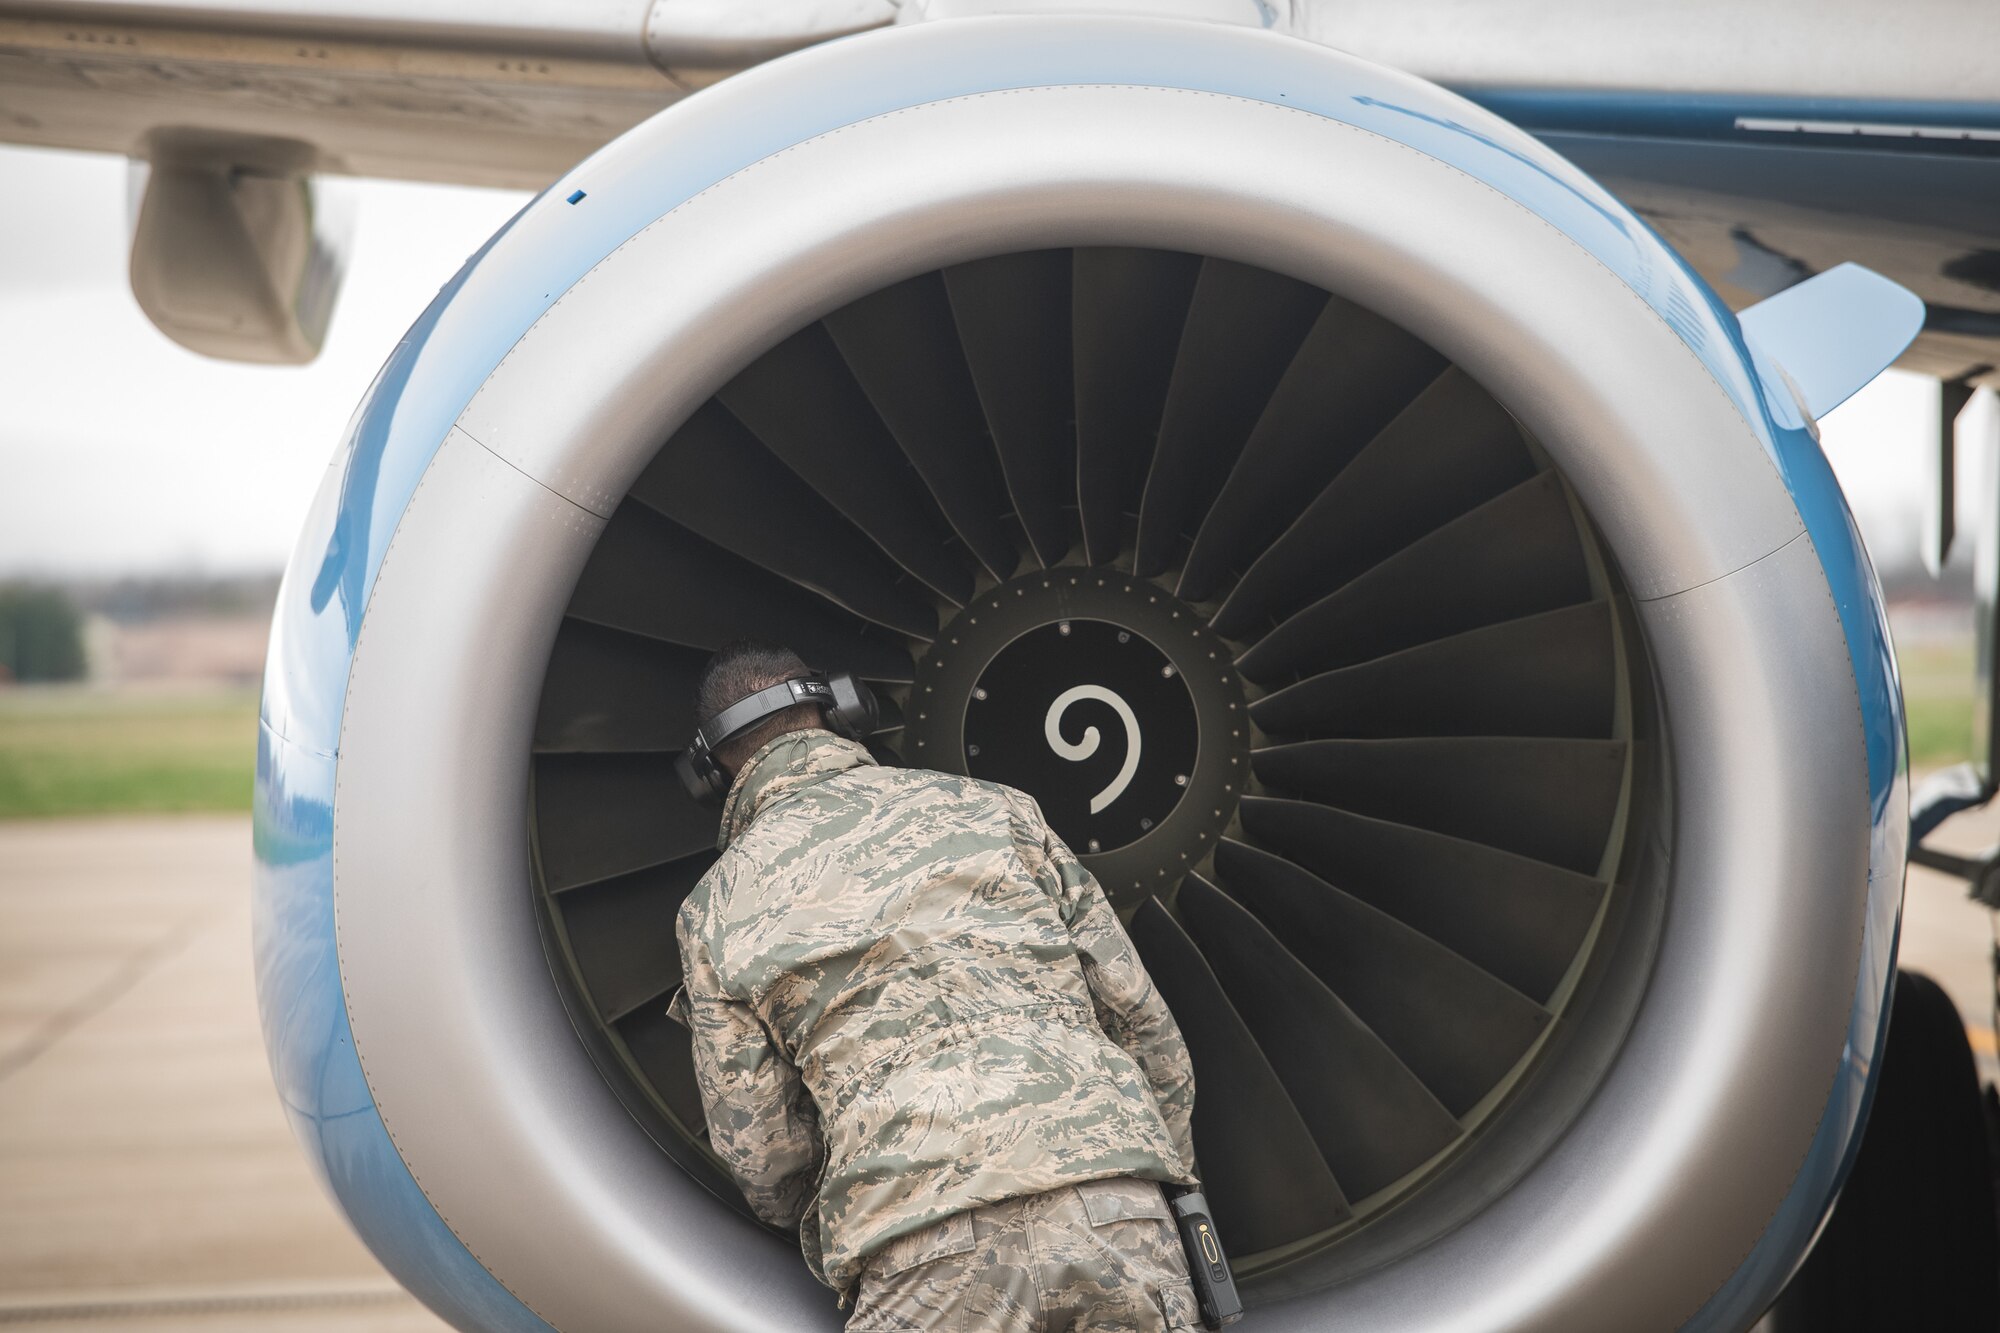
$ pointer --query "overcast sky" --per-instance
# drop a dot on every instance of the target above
(120, 452)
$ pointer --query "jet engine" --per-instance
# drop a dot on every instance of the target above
(1419, 601)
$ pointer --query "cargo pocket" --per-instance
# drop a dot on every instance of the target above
(936, 1241)
(906, 1284)
(1123, 1199)
(1178, 1306)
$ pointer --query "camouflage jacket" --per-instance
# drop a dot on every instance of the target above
(908, 998)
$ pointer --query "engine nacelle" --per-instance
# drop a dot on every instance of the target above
(1519, 832)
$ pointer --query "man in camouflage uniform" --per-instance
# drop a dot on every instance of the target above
(923, 1038)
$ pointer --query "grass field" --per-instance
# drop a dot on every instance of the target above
(72, 751)
(1937, 692)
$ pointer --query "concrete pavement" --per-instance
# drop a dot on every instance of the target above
(147, 1177)
(1950, 938)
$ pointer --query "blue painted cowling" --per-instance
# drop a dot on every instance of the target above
(1658, 1150)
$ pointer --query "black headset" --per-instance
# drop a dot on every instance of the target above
(848, 706)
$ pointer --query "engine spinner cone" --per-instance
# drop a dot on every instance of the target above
(1105, 698)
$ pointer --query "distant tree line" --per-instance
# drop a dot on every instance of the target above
(132, 599)
(41, 634)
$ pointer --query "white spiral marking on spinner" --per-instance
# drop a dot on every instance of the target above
(1083, 749)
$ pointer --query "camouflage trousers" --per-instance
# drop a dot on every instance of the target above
(1100, 1257)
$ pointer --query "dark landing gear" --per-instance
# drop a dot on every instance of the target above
(1913, 1242)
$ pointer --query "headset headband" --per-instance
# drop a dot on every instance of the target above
(847, 705)
(747, 712)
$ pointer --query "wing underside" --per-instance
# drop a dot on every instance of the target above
(1766, 143)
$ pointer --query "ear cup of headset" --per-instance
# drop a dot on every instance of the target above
(854, 711)
(700, 774)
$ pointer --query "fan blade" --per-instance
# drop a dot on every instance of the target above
(713, 478)
(889, 712)
(800, 399)
(1130, 307)
(621, 932)
(1519, 919)
(1353, 374)
(1260, 1169)
(1511, 557)
(1374, 1121)
(1458, 1029)
(1450, 451)
(584, 821)
(664, 1052)
(1546, 675)
(651, 576)
(1013, 318)
(1243, 328)
(609, 690)
(1551, 799)
(903, 348)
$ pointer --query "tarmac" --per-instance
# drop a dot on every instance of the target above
(148, 1180)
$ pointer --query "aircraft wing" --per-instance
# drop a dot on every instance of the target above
(1765, 142)
(508, 94)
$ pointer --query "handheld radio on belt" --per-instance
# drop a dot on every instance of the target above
(1208, 1266)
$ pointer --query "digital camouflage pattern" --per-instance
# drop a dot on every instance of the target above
(908, 999)
(1101, 1257)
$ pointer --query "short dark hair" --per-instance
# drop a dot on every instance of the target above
(737, 671)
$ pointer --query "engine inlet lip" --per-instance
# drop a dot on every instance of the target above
(432, 900)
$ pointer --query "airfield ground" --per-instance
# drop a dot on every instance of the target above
(147, 1178)
(68, 750)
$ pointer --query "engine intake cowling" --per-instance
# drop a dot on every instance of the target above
(1364, 538)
